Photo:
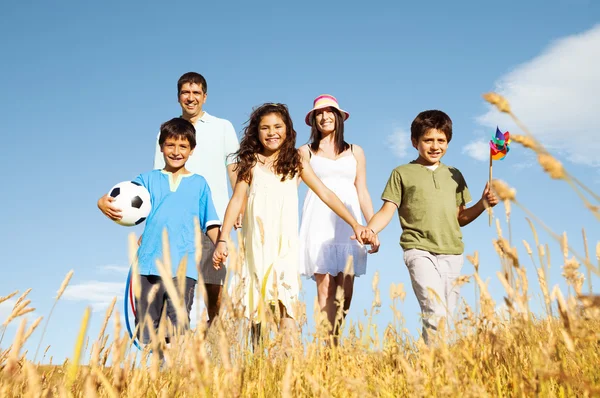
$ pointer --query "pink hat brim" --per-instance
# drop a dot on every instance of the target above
(309, 114)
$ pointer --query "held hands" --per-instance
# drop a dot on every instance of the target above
(107, 208)
(359, 233)
(220, 254)
(489, 197)
(366, 236)
(370, 238)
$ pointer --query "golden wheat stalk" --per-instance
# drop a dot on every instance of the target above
(60, 292)
(74, 364)
(15, 349)
(34, 382)
(552, 166)
(4, 298)
(109, 312)
(32, 328)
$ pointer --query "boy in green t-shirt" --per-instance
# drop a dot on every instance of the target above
(431, 200)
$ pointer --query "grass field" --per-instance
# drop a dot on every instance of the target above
(485, 353)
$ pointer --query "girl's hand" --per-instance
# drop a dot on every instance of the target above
(220, 254)
(238, 221)
(360, 233)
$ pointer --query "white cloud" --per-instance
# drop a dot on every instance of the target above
(478, 150)
(98, 294)
(399, 142)
(556, 95)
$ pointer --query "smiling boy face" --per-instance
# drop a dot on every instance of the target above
(432, 147)
(176, 151)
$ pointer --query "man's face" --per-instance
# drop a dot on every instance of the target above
(191, 99)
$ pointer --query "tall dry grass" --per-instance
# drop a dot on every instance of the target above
(485, 353)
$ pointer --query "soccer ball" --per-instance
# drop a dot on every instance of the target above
(133, 200)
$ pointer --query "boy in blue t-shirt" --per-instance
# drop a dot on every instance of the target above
(178, 197)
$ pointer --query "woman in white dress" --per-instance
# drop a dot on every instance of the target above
(324, 237)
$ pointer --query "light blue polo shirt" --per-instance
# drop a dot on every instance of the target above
(216, 142)
(175, 204)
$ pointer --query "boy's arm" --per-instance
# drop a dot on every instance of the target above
(332, 201)
(209, 220)
(213, 233)
(105, 203)
(383, 217)
(467, 215)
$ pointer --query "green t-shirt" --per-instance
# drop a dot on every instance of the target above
(428, 204)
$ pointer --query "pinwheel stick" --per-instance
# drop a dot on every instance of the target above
(489, 208)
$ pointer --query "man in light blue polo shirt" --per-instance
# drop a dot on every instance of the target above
(216, 141)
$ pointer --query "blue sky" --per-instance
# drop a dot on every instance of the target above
(86, 85)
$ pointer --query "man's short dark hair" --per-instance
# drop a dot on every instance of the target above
(192, 78)
(177, 128)
(432, 119)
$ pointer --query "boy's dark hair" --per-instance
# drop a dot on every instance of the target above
(315, 134)
(192, 78)
(432, 119)
(288, 162)
(177, 128)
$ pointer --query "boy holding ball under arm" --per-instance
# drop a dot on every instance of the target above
(178, 197)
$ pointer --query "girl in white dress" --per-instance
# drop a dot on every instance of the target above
(268, 166)
(324, 243)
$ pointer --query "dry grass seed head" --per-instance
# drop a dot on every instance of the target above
(527, 247)
(64, 284)
(498, 101)
(503, 191)
(551, 166)
(22, 297)
(474, 259)
(526, 141)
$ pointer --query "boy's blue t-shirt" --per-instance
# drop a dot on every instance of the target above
(175, 205)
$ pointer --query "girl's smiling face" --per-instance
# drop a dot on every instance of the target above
(271, 133)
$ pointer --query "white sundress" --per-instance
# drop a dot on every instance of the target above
(325, 242)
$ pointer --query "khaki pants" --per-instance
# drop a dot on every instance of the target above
(436, 272)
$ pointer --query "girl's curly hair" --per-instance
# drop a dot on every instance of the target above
(288, 162)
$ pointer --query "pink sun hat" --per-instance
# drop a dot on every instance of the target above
(325, 101)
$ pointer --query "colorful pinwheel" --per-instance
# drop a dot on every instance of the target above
(498, 151)
(499, 145)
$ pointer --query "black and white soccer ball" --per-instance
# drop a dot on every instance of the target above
(133, 200)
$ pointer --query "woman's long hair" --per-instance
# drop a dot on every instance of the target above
(315, 134)
(288, 162)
